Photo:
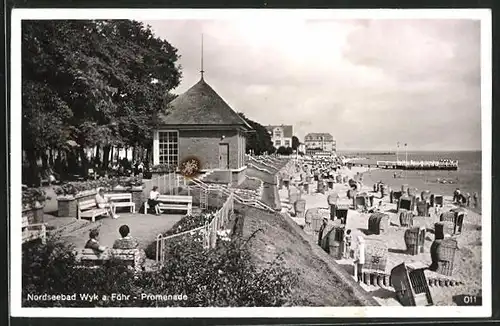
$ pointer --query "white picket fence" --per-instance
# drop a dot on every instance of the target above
(208, 231)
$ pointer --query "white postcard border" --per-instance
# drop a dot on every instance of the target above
(163, 14)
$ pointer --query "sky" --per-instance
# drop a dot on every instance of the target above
(369, 83)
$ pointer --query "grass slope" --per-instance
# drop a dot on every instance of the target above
(321, 281)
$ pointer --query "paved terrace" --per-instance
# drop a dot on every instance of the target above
(144, 227)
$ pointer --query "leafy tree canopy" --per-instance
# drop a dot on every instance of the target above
(97, 82)
(295, 143)
(260, 140)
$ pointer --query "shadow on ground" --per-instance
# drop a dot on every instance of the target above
(383, 293)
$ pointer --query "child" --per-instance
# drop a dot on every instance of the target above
(347, 244)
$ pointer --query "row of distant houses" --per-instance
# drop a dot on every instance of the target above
(281, 135)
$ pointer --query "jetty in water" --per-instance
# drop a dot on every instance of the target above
(447, 165)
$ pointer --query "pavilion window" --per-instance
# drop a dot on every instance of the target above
(168, 142)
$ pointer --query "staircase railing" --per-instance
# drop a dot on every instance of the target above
(260, 168)
(249, 202)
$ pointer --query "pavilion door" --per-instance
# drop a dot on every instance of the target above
(224, 156)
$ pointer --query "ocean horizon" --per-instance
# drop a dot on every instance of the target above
(467, 178)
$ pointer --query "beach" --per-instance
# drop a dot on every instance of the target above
(467, 178)
(467, 266)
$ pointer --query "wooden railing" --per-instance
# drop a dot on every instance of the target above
(207, 231)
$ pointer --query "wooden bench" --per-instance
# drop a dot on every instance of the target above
(121, 200)
(30, 234)
(91, 258)
(173, 203)
(88, 209)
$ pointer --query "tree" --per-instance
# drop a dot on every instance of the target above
(295, 143)
(284, 150)
(258, 141)
(103, 88)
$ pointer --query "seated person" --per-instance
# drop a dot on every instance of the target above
(128, 242)
(102, 202)
(93, 242)
(153, 200)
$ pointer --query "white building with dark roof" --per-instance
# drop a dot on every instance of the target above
(320, 141)
(281, 135)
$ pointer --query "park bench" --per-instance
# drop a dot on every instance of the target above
(88, 209)
(91, 258)
(121, 200)
(173, 202)
(33, 231)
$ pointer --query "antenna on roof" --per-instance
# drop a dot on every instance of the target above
(202, 71)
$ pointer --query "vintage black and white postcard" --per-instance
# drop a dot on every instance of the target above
(251, 163)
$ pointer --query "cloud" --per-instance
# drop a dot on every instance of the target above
(370, 83)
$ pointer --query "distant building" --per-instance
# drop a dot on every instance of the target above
(320, 141)
(281, 135)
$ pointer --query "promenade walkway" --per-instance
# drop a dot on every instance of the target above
(144, 227)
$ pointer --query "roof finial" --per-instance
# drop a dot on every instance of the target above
(202, 71)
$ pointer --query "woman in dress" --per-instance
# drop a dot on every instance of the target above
(153, 200)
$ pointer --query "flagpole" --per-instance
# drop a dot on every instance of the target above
(397, 153)
(406, 159)
(406, 153)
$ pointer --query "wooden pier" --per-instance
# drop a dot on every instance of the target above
(446, 165)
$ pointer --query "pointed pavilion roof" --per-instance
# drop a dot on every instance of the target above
(201, 105)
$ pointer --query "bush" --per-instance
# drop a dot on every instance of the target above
(163, 168)
(52, 269)
(187, 223)
(285, 150)
(223, 276)
(73, 188)
(32, 196)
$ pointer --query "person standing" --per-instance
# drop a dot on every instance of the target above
(360, 258)
(347, 244)
(475, 200)
(322, 229)
(456, 195)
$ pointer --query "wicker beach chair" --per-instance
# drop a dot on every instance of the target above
(406, 218)
(443, 253)
(378, 223)
(414, 240)
(411, 286)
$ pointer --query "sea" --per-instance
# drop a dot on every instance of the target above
(467, 178)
